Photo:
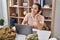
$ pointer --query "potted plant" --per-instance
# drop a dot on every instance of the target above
(1, 21)
(32, 37)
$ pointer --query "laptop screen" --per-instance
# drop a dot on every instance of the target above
(23, 29)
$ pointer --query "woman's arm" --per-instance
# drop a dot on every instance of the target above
(39, 23)
(24, 22)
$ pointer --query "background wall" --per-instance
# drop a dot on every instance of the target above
(1, 12)
(57, 20)
(5, 14)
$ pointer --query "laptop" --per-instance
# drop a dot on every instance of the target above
(23, 29)
(43, 34)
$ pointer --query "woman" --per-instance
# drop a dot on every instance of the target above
(34, 18)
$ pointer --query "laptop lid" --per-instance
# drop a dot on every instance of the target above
(23, 29)
(43, 34)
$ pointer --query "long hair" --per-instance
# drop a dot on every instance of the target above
(39, 6)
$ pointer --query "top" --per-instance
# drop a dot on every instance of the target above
(31, 21)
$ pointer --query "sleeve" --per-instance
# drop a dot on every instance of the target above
(41, 19)
(26, 17)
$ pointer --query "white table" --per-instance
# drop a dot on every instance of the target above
(42, 35)
(20, 37)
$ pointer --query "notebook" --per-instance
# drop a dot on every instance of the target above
(23, 29)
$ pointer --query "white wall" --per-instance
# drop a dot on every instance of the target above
(1, 13)
(57, 20)
(4, 8)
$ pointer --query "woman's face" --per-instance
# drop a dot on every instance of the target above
(34, 9)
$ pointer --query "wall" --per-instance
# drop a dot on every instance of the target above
(1, 13)
(4, 8)
(57, 20)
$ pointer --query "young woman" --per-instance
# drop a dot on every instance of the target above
(34, 18)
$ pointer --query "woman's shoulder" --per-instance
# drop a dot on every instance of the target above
(41, 16)
(28, 14)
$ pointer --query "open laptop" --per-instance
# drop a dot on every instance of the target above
(43, 34)
(23, 29)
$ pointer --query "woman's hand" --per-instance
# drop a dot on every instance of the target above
(37, 23)
(36, 20)
(36, 17)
